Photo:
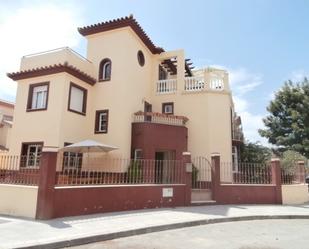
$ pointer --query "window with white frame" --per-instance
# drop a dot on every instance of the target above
(38, 96)
(168, 108)
(77, 99)
(101, 121)
(105, 69)
(234, 159)
(72, 160)
(138, 154)
(31, 153)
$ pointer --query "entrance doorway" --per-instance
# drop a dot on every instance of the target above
(164, 161)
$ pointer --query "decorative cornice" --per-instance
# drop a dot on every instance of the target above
(127, 21)
(52, 69)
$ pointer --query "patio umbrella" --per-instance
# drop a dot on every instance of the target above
(88, 146)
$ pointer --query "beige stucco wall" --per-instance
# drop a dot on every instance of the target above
(295, 194)
(209, 126)
(38, 126)
(18, 200)
(5, 134)
(129, 86)
(5, 129)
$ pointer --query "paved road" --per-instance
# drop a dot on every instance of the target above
(261, 234)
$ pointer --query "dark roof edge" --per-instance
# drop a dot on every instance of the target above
(52, 69)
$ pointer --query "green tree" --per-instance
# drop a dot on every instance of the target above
(289, 159)
(254, 153)
(287, 125)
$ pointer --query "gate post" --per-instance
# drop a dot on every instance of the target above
(46, 187)
(215, 175)
(301, 171)
(186, 158)
(276, 178)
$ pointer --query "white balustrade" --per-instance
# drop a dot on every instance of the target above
(193, 84)
(166, 86)
(216, 84)
(159, 118)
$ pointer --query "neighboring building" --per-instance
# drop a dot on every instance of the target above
(127, 92)
(6, 122)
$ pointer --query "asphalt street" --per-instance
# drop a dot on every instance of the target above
(258, 234)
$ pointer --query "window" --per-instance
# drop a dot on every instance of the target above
(105, 70)
(30, 154)
(38, 96)
(140, 58)
(77, 99)
(138, 154)
(234, 159)
(72, 160)
(101, 121)
(168, 108)
(147, 108)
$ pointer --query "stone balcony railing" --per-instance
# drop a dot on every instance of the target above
(237, 135)
(191, 84)
(159, 118)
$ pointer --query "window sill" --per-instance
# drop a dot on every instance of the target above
(101, 80)
(100, 132)
(77, 112)
(36, 110)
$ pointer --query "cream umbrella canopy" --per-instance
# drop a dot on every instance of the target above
(88, 146)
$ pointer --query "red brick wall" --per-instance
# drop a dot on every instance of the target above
(151, 137)
(89, 200)
(246, 194)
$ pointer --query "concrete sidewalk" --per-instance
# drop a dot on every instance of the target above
(58, 233)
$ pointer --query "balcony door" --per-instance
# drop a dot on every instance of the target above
(147, 108)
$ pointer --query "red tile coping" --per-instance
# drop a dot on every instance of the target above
(163, 115)
(127, 21)
(52, 69)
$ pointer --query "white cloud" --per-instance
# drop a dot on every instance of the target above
(242, 82)
(298, 75)
(34, 29)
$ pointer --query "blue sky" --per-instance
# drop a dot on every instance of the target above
(261, 42)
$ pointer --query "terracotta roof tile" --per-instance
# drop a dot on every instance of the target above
(127, 21)
(52, 69)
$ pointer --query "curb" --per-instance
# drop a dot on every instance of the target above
(140, 231)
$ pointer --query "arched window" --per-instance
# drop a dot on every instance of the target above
(105, 70)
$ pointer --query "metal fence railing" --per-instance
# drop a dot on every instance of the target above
(201, 173)
(294, 174)
(21, 170)
(245, 173)
(100, 171)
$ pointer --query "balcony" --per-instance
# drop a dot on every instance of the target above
(57, 56)
(237, 135)
(166, 86)
(153, 132)
(159, 118)
(191, 84)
